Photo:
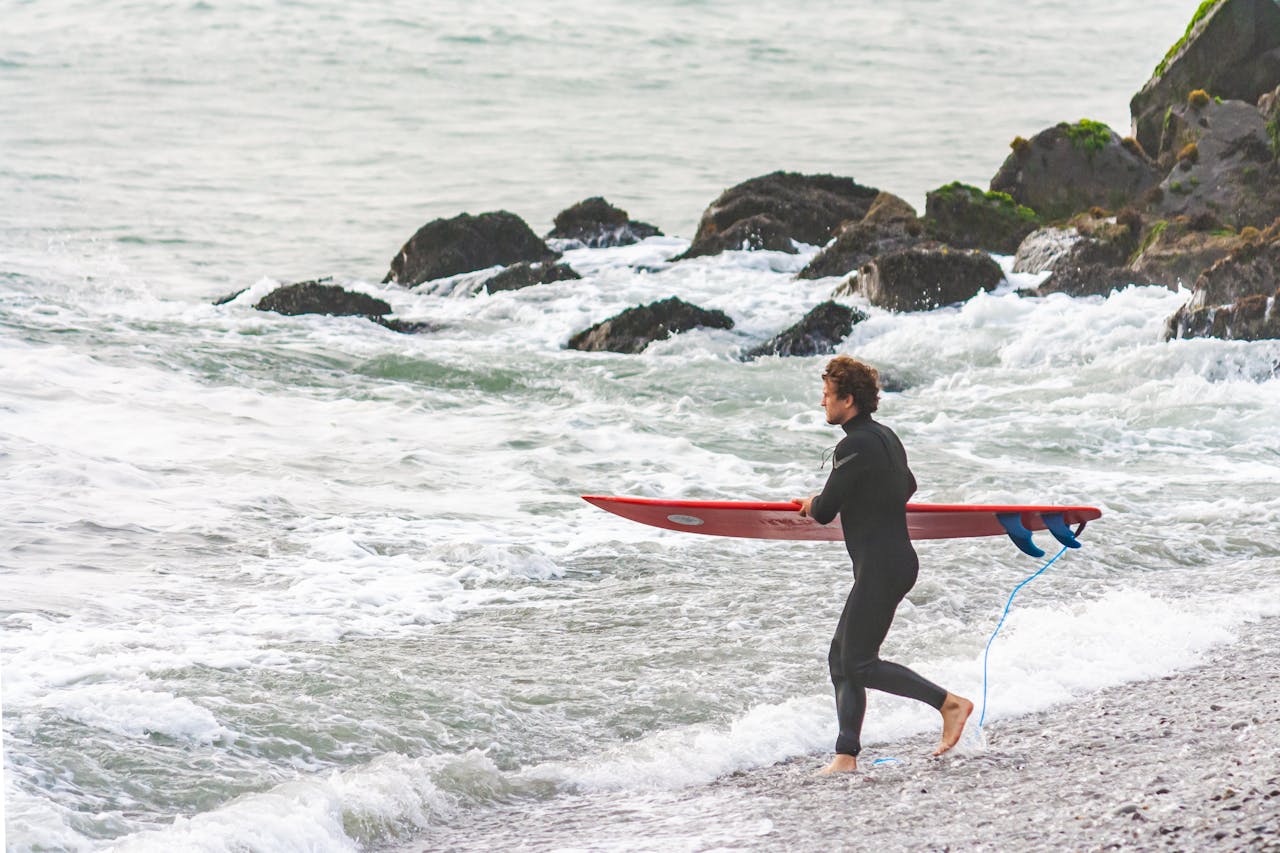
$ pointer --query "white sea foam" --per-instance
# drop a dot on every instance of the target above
(137, 713)
(1044, 656)
(260, 567)
(392, 796)
(342, 811)
(370, 486)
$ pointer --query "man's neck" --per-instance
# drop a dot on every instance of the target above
(857, 419)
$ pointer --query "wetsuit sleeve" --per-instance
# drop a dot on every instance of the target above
(847, 467)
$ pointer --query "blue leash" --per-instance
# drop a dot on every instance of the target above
(983, 716)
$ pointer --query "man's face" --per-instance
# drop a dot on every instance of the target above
(839, 409)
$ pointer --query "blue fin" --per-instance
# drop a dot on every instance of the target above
(1021, 536)
(1058, 527)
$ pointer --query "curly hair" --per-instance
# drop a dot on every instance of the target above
(851, 377)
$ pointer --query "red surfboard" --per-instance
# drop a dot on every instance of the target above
(765, 520)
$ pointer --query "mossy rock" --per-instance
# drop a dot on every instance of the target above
(1202, 12)
(965, 217)
(1229, 49)
(1069, 168)
(1221, 159)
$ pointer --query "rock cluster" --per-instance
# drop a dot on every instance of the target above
(1188, 201)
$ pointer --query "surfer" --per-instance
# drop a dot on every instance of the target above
(869, 486)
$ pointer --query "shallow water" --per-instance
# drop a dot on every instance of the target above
(304, 583)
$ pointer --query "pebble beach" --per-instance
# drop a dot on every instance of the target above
(1189, 761)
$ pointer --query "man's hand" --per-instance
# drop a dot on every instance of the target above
(805, 503)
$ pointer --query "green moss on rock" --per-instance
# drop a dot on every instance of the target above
(967, 217)
(1205, 8)
(958, 191)
(1152, 235)
(1087, 135)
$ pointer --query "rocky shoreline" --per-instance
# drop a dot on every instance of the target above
(1191, 199)
(1189, 761)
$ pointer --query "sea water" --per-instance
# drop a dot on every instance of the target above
(286, 583)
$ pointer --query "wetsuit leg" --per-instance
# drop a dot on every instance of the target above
(855, 658)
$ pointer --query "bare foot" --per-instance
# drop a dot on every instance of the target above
(841, 764)
(955, 711)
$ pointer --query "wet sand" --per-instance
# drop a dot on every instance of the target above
(1190, 761)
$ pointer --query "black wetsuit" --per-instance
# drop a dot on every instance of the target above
(869, 487)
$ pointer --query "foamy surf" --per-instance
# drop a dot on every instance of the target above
(307, 583)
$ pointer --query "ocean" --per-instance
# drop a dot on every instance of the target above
(303, 583)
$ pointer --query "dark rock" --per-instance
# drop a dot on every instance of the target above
(406, 327)
(889, 209)
(965, 217)
(596, 224)
(780, 207)
(1231, 50)
(445, 247)
(1236, 298)
(755, 233)
(819, 333)
(634, 329)
(1223, 165)
(856, 245)
(919, 279)
(525, 274)
(230, 297)
(1073, 167)
(1173, 254)
(312, 297)
(890, 224)
(1089, 279)
(1093, 262)
(1252, 268)
(891, 382)
(1250, 318)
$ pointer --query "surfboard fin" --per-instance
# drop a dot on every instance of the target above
(1058, 527)
(1021, 536)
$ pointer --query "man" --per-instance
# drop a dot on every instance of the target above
(869, 486)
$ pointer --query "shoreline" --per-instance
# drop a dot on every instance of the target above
(1190, 760)
(1187, 761)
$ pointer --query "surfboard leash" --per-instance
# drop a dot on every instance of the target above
(1009, 604)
